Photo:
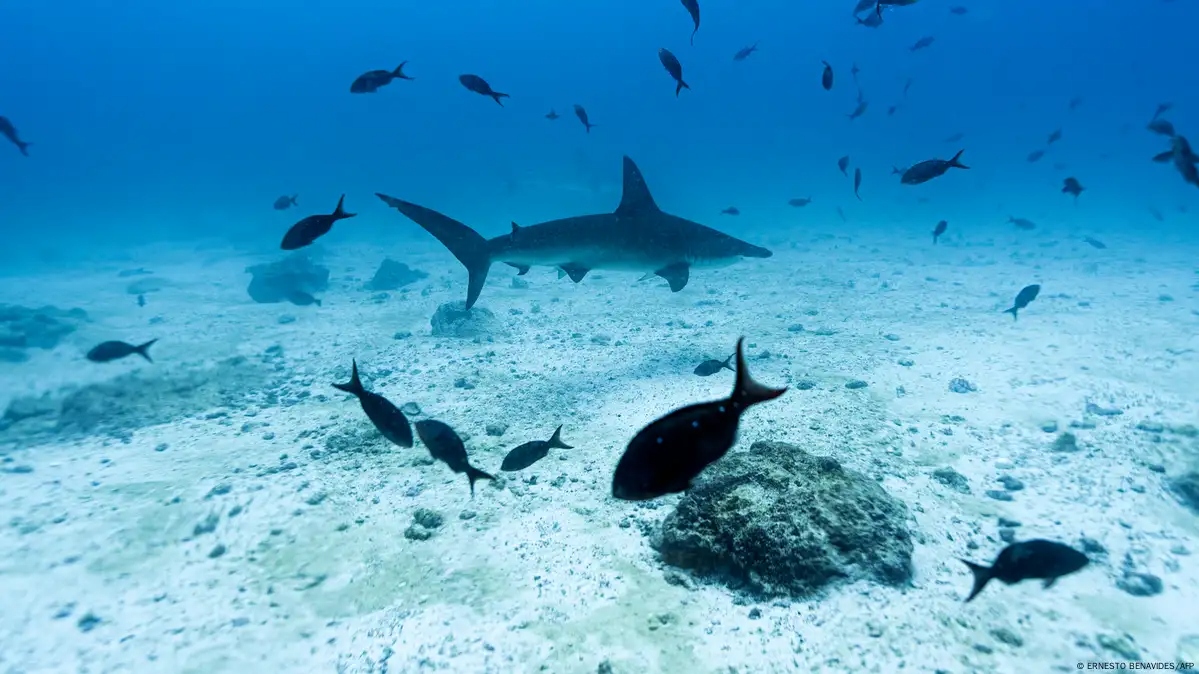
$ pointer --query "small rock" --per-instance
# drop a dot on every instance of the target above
(855, 384)
(411, 409)
(1151, 427)
(453, 319)
(1010, 483)
(1140, 584)
(1090, 546)
(1066, 442)
(891, 337)
(496, 430)
(1007, 636)
(88, 622)
(952, 479)
(906, 362)
(1186, 488)
(1121, 645)
(218, 551)
(1092, 408)
(429, 519)
(1049, 427)
(959, 385)
(795, 327)
(999, 495)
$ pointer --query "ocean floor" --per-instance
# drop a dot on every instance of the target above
(253, 520)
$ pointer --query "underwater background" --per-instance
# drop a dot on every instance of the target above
(208, 502)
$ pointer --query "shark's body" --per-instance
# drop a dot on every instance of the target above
(638, 236)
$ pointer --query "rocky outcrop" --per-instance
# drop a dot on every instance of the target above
(44, 328)
(283, 280)
(393, 275)
(775, 520)
(453, 319)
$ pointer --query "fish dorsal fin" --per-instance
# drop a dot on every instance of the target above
(515, 229)
(636, 199)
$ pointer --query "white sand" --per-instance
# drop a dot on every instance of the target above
(549, 578)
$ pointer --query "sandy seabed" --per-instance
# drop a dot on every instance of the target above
(271, 537)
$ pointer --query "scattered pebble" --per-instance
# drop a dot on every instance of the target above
(88, 622)
(959, 385)
(496, 430)
(952, 479)
(1140, 584)
(1066, 442)
(855, 384)
(999, 495)
(218, 551)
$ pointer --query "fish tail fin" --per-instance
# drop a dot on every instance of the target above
(693, 35)
(556, 440)
(982, 576)
(294, 201)
(466, 244)
(23, 147)
(340, 212)
(679, 87)
(748, 390)
(1012, 311)
(474, 474)
(956, 161)
(316, 301)
(726, 364)
(496, 96)
(144, 350)
(398, 73)
(353, 386)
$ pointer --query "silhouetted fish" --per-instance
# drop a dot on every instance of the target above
(110, 351)
(958, 10)
(1161, 126)
(843, 163)
(582, 115)
(1036, 559)
(799, 203)
(675, 69)
(712, 366)
(386, 417)
(857, 182)
(552, 115)
(301, 298)
(731, 210)
(531, 452)
(665, 456)
(1022, 223)
(826, 77)
(141, 300)
(10, 132)
(1095, 243)
(314, 227)
(1161, 107)
(1072, 186)
(480, 86)
(1035, 156)
(939, 230)
(891, 110)
(860, 110)
(931, 168)
(1075, 102)
(285, 202)
(1026, 295)
(953, 138)
(744, 52)
(693, 9)
(1185, 160)
(370, 81)
(445, 446)
(1054, 137)
(922, 43)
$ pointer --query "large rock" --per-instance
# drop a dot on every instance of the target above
(453, 319)
(44, 328)
(280, 281)
(776, 520)
(393, 275)
(1186, 489)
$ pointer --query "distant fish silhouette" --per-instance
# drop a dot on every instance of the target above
(1161, 107)
(1035, 156)
(552, 115)
(531, 452)
(1095, 243)
(799, 202)
(923, 43)
(931, 168)
(860, 110)
(744, 52)
(107, 352)
(672, 65)
(731, 210)
(480, 86)
(285, 202)
(1022, 223)
(826, 77)
(1054, 137)
(958, 10)
(446, 446)
(693, 9)
(10, 132)
(582, 115)
(1161, 126)
(843, 163)
(939, 230)
(314, 227)
(369, 82)
(857, 182)
(1072, 186)
(712, 366)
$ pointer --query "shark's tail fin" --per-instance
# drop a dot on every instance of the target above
(465, 243)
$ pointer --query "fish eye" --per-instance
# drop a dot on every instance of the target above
(659, 441)
(720, 409)
(695, 424)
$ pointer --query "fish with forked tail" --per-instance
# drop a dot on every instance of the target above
(1027, 560)
(370, 81)
(1023, 298)
(672, 65)
(445, 446)
(931, 168)
(115, 350)
(285, 202)
(582, 115)
(480, 86)
(1072, 186)
(693, 9)
(9, 131)
(531, 452)
(712, 366)
(314, 227)
(386, 417)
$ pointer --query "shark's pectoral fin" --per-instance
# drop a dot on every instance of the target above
(574, 271)
(676, 275)
(645, 277)
(521, 269)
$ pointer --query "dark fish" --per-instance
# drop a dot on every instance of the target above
(552, 115)
(1072, 186)
(841, 213)
(386, 417)
(744, 52)
(1036, 559)
(863, 5)
(922, 43)
(799, 203)
(582, 115)
(712, 366)
(285, 202)
(141, 300)
(857, 182)
(731, 210)
(301, 299)
(1022, 223)
(314, 227)
(939, 230)
(1161, 107)
(1095, 243)
(1054, 137)
(1185, 160)
(872, 20)
(674, 68)
(1075, 102)
(853, 72)
(1157, 215)
(907, 85)
(693, 9)
(826, 77)
(891, 110)
(860, 110)
(531, 452)
(954, 138)
(843, 163)
(896, 171)
(931, 168)
(110, 351)
(10, 132)
(1035, 156)
(480, 86)
(1161, 126)
(1026, 295)
(370, 81)
(665, 456)
(445, 446)
(959, 11)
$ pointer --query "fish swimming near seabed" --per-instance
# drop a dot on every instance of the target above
(1026, 295)
(314, 227)
(1027, 560)
(638, 236)
(529, 453)
(446, 446)
(116, 350)
(386, 417)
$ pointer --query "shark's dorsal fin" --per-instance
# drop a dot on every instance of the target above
(636, 199)
(515, 229)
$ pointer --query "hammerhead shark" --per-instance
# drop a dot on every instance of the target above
(638, 236)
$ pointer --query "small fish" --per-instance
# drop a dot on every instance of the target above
(314, 227)
(480, 86)
(445, 446)
(731, 210)
(1075, 103)
(712, 366)
(665, 456)
(1035, 156)
(582, 115)
(931, 168)
(10, 132)
(1095, 243)
(1185, 160)
(387, 418)
(1161, 107)
(672, 65)
(1036, 559)
(853, 72)
(744, 52)
(1157, 215)
(693, 9)
(922, 43)
(370, 81)
(857, 182)
(826, 77)
(141, 300)
(1022, 223)
(841, 213)
(1161, 126)
(1072, 186)
(954, 138)
(140, 271)
(552, 115)
(958, 10)
(1026, 295)
(799, 203)
(531, 452)
(1054, 137)
(891, 110)
(859, 111)
(939, 230)
(285, 202)
(110, 351)
(301, 299)
(843, 163)
(906, 85)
